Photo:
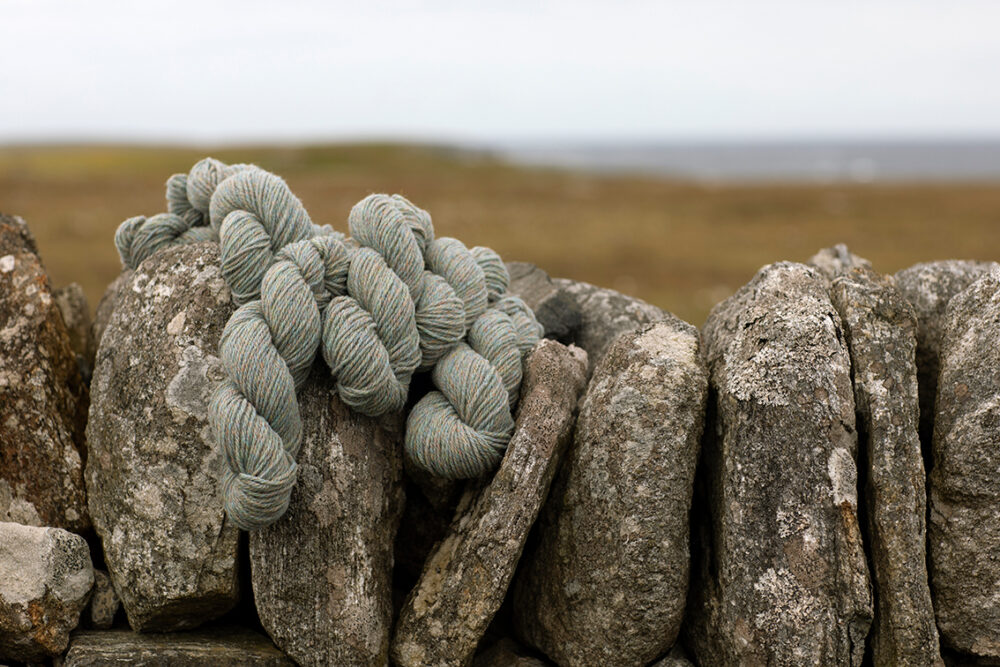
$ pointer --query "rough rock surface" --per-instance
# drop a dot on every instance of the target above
(676, 658)
(72, 303)
(507, 653)
(929, 287)
(104, 602)
(964, 485)
(106, 306)
(554, 308)
(153, 471)
(837, 261)
(43, 398)
(607, 581)
(322, 574)
(466, 578)
(45, 580)
(217, 647)
(781, 576)
(881, 336)
(579, 313)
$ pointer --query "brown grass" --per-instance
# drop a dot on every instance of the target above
(681, 246)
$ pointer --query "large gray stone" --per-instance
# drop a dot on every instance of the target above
(217, 647)
(75, 310)
(964, 484)
(467, 576)
(781, 576)
(322, 573)
(43, 398)
(607, 581)
(929, 287)
(153, 470)
(580, 313)
(881, 336)
(45, 580)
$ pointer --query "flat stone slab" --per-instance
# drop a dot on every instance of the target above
(153, 469)
(218, 647)
(467, 576)
(964, 531)
(607, 581)
(322, 573)
(881, 335)
(43, 398)
(781, 576)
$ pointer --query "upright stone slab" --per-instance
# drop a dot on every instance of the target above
(607, 581)
(964, 482)
(929, 287)
(781, 574)
(881, 336)
(45, 580)
(153, 470)
(43, 399)
(322, 573)
(466, 578)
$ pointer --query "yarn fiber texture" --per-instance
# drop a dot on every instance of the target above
(388, 302)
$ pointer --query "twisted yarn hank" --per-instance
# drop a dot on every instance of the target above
(388, 302)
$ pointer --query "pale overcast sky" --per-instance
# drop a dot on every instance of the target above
(513, 71)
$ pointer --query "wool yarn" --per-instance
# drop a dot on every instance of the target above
(382, 305)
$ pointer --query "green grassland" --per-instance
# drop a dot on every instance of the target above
(682, 246)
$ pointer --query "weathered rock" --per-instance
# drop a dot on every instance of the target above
(607, 581)
(217, 647)
(72, 303)
(322, 574)
(153, 471)
(466, 578)
(881, 337)
(964, 531)
(507, 653)
(43, 398)
(929, 287)
(557, 312)
(579, 313)
(106, 306)
(104, 602)
(45, 580)
(837, 261)
(781, 577)
(676, 658)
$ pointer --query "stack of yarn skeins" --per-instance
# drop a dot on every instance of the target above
(389, 301)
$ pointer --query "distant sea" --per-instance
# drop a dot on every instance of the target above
(804, 161)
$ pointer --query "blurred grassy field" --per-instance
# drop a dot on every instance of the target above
(682, 246)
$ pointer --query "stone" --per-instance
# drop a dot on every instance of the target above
(507, 653)
(75, 310)
(676, 658)
(153, 471)
(880, 327)
(607, 581)
(929, 287)
(837, 261)
(964, 530)
(104, 602)
(217, 647)
(322, 573)
(579, 313)
(43, 397)
(45, 580)
(781, 576)
(106, 306)
(556, 310)
(466, 578)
